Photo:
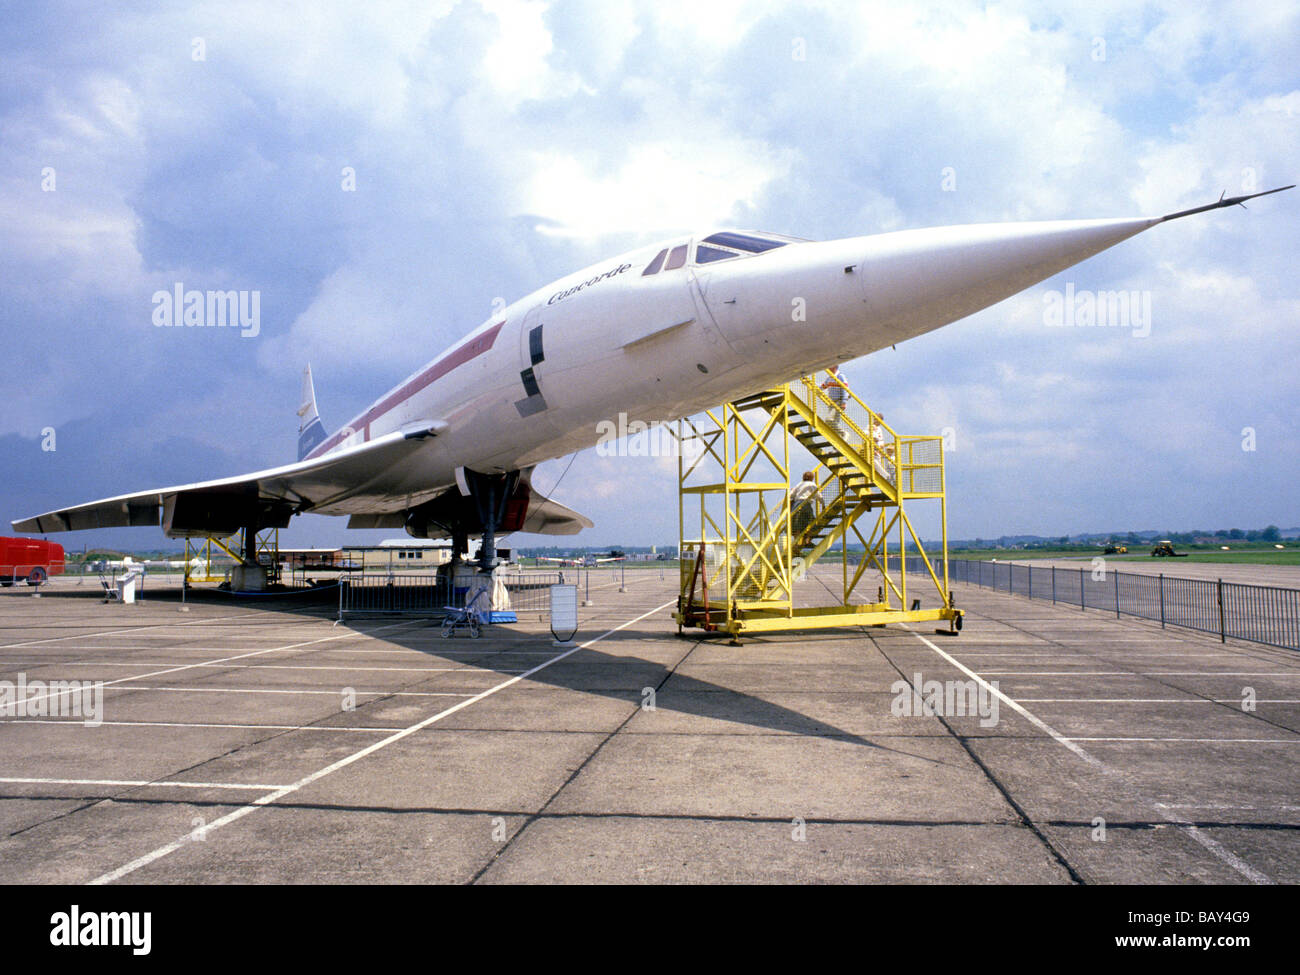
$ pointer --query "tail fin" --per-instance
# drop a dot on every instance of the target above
(311, 431)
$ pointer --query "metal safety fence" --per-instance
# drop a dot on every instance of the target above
(428, 594)
(1258, 614)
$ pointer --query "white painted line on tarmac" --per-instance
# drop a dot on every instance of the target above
(1137, 673)
(287, 690)
(174, 649)
(129, 629)
(247, 787)
(403, 651)
(1014, 705)
(411, 652)
(449, 653)
(1061, 673)
(1062, 653)
(283, 791)
(1206, 741)
(1151, 700)
(1227, 805)
(1218, 673)
(77, 723)
(1214, 848)
(238, 656)
(1227, 856)
(227, 666)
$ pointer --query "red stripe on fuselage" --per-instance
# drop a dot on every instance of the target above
(458, 356)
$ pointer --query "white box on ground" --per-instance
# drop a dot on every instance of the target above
(564, 614)
(126, 584)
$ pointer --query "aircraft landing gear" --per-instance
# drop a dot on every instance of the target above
(490, 493)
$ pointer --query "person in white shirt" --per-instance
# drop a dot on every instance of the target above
(838, 394)
(884, 442)
(801, 503)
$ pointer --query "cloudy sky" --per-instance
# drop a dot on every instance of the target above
(495, 145)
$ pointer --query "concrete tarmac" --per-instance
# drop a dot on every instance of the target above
(259, 742)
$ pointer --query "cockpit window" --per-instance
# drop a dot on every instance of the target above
(654, 266)
(731, 245)
(707, 255)
(743, 242)
(676, 258)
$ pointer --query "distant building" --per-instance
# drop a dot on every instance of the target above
(395, 554)
(308, 559)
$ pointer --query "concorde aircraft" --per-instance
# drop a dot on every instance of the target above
(658, 333)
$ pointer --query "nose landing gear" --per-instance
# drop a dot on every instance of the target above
(490, 494)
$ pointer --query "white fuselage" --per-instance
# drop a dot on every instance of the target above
(665, 345)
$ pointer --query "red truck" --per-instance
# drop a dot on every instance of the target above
(30, 560)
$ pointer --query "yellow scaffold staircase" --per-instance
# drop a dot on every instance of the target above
(756, 539)
(203, 561)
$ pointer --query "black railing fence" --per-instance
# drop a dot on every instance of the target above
(384, 593)
(1259, 614)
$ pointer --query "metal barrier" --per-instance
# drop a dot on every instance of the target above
(1259, 614)
(530, 592)
(392, 593)
(427, 594)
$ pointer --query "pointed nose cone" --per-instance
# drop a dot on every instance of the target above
(918, 280)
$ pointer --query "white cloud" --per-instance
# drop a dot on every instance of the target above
(518, 61)
(659, 188)
(1232, 145)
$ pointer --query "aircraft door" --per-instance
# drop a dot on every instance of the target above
(711, 323)
(718, 306)
(532, 358)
